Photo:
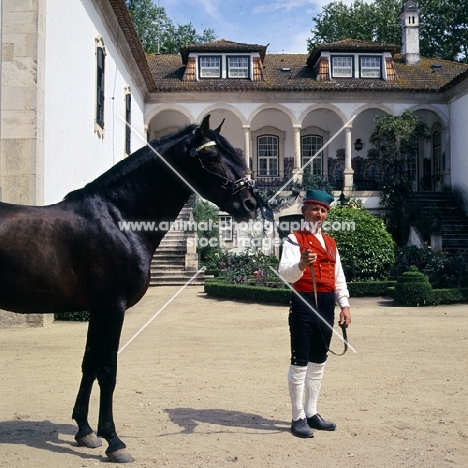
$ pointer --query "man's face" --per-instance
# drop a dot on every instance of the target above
(314, 214)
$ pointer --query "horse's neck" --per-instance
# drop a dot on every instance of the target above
(153, 192)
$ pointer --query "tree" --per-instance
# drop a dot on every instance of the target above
(157, 32)
(396, 140)
(443, 25)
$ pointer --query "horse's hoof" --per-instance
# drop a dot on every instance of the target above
(120, 456)
(89, 441)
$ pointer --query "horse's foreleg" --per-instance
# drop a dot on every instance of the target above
(108, 330)
(85, 435)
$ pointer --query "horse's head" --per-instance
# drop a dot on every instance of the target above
(220, 175)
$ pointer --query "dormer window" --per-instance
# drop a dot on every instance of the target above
(353, 59)
(223, 60)
(238, 67)
(210, 66)
(371, 67)
(342, 67)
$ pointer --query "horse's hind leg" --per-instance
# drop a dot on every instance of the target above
(85, 435)
(108, 327)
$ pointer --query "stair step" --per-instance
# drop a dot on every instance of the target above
(452, 220)
(168, 262)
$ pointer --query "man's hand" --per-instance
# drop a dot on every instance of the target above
(345, 316)
(307, 258)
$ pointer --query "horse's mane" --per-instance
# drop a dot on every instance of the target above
(137, 161)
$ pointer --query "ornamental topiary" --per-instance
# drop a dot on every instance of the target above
(413, 288)
(366, 248)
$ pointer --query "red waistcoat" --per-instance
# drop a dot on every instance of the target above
(324, 266)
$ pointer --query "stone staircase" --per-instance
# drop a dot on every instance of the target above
(173, 264)
(449, 217)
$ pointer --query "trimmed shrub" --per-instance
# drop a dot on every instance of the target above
(413, 289)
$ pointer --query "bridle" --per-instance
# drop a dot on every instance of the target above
(235, 186)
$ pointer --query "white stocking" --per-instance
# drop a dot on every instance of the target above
(313, 383)
(296, 378)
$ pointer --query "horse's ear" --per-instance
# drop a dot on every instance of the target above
(218, 130)
(205, 125)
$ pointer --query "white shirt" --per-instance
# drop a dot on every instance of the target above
(290, 271)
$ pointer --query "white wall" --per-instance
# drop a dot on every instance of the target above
(74, 153)
(459, 145)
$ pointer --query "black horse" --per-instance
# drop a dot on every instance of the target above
(73, 256)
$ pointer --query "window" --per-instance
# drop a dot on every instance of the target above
(268, 155)
(238, 67)
(100, 56)
(225, 228)
(310, 146)
(371, 67)
(342, 67)
(128, 122)
(210, 67)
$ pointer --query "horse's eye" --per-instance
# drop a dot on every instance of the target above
(212, 160)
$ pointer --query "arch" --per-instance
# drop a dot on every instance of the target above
(373, 105)
(315, 107)
(154, 111)
(223, 106)
(272, 106)
(433, 109)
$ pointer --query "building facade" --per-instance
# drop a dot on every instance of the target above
(74, 75)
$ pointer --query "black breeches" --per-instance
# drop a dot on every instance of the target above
(310, 336)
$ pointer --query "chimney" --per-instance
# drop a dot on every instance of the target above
(410, 33)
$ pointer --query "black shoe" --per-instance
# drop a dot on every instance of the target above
(300, 428)
(316, 422)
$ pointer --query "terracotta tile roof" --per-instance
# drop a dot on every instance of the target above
(289, 72)
(221, 46)
(350, 45)
(125, 22)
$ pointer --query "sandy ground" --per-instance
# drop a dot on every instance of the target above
(204, 385)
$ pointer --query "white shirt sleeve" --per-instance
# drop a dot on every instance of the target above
(288, 267)
(341, 291)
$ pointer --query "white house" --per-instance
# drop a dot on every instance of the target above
(72, 74)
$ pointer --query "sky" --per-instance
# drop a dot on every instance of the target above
(283, 24)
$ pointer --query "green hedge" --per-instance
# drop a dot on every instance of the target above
(369, 288)
(82, 316)
(441, 296)
(449, 296)
(217, 287)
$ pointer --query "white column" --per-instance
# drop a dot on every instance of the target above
(246, 129)
(348, 170)
(297, 152)
(447, 159)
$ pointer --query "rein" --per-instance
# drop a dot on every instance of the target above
(235, 186)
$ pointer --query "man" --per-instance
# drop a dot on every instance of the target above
(310, 336)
